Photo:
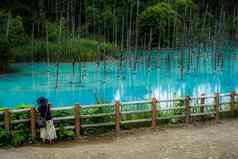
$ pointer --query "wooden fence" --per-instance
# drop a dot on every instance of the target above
(202, 106)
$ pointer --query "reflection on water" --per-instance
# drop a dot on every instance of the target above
(165, 77)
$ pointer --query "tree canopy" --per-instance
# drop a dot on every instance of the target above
(125, 24)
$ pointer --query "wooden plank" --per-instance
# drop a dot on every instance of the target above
(97, 106)
(207, 97)
(169, 100)
(224, 103)
(135, 112)
(62, 108)
(20, 121)
(169, 109)
(171, 117)
(20, 110)
(136, 102)
(225, 111)
(136, 121)
(202, 114)
(64, 118)
(66, 128)
(98, 125)
(97, 115)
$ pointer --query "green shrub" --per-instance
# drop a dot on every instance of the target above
(18, 138)
(66, 51)
(5, 56)
(65, 134)
(5, 137)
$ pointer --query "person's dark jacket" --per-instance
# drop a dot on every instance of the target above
(44, 113)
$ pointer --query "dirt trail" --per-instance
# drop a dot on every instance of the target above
(200, 141)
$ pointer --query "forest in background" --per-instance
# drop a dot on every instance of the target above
(76, 30)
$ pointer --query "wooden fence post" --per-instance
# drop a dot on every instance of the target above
(77, 120)
(33, 123)
(217, 107)
(7, 119)
(154, 113)
(117, 115)
(232, 103)
(202, 103)
(50, 105)
(187, 110)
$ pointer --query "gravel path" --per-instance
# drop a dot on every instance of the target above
(200, 141)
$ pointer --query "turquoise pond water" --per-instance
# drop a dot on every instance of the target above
(151, 75)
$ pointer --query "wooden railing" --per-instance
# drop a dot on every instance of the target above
(186, 109)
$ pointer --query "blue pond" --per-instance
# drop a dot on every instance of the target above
(164, 75)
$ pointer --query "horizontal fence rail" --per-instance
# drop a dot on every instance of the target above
(119, 114)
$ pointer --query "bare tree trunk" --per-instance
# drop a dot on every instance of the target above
(137, 29)
(9, 16)
(32, 42)
(122, 33)
(58, 56)
(47, 43)
(130, 28)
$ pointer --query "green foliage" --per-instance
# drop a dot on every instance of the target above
(4, 137)
(57, 31)
(20, 132)
(67, 51)
(15, 138)
(17, 34)
(158, 19)
(65, 134)
(4, 55)
(181, 5)
(20, 136)
(179, 105)
(63, 113)
(156, 15)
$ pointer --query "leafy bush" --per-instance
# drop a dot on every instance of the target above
(19, 138)
(67, 51)
(4, 55)
(65, 134)
(21, 132)
(5, 137)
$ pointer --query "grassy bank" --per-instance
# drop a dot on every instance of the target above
(66, 51)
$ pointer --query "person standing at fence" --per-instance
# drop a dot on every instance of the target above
(47, 129)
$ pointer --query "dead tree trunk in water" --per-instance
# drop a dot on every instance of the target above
(57, 74)
(9, 15)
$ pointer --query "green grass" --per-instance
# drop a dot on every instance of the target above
(64, 51)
